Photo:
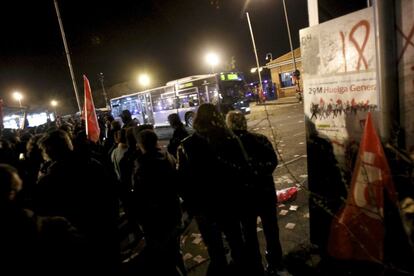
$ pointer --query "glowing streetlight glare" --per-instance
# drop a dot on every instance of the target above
(254, 70)
(18, 97)
(53, 103)
(212, 59)
(144, 80)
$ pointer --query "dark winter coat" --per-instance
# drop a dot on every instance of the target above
(212, 174)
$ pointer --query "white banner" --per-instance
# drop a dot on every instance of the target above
(339, 74)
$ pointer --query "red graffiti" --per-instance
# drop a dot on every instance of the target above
(412, 69)
(408, 41)
(360, 50)
(343, 49)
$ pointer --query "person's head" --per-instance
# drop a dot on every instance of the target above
(174, 120)
(120, 136)
(55, 145)
(10, 183)
(109, 118)
(236, 121)
(131, 141)
(208, 118)
(33, 151)
(115, 125)
(147, 140)
(126, 116)
(68, 128)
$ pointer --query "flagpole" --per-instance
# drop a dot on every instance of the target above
(62, 31)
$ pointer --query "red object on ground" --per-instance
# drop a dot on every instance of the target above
(286, 194)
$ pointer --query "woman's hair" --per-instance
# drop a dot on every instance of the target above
(209, 122)
(56, 144)
(7, 173)
(235, 120)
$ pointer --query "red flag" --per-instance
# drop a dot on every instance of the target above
(91, 121)
(357, 232)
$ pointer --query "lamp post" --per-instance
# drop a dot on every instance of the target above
(269, 57)
(260, 92)
(54, 104)
(213, 60)
(18, 97)
(290, 37)
(101, 78)
(296, 72)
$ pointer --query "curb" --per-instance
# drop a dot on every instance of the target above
(287, 100)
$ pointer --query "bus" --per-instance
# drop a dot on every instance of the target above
(227, 90)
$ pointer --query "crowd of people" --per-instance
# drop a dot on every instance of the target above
(62, 196)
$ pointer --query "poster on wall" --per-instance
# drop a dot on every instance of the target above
(404, 11)
(339, 75)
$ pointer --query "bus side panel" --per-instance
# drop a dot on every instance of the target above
(161, 117)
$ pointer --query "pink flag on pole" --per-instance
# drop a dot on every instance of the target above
(91, 120)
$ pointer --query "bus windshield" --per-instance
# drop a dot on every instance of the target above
(233, 90)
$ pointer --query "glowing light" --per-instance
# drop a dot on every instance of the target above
(17, 96)
(144, 80)
(53, 103)
(212, 59)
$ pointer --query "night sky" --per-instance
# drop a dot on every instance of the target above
(167, 39)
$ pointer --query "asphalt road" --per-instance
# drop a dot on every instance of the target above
(283, 123)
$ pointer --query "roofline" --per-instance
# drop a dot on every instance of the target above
(286, 62)
(190, 78)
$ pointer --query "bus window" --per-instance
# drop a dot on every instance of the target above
(165, 101)
(188, 98)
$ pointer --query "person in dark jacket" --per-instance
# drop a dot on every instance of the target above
(127, 120)
(79, 188)
(211, 165)
(178, 135)
(31, 244)
(261, 198)
(157, 205)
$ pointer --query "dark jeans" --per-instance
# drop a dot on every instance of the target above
(211, 230)
(261, 202)
(163, 247)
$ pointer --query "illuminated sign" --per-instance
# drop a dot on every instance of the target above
(230, 77)
(185, 85)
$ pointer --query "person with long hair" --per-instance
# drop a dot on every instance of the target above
(211, 164)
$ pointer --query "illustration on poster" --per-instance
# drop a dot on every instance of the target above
(336, 108)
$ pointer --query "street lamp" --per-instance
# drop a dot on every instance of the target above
(144, 80)
(18, 97)
(54, 103)
(269, 57)
(101, 78)
(212, 59)
(254, 70)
